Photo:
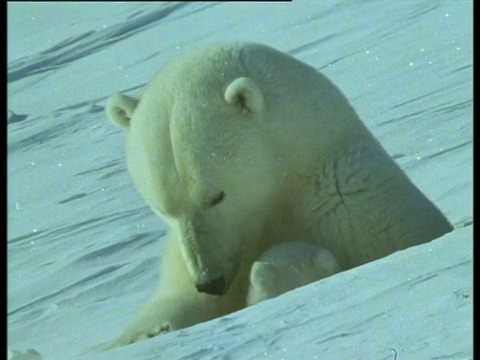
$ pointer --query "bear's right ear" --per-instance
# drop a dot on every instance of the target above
(244, 92)
(120, 109)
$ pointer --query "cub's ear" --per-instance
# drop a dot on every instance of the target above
(120, 109)
(245, 93)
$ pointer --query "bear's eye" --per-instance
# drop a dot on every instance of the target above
(217, 199)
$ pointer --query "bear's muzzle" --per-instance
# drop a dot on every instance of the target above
(216, 286)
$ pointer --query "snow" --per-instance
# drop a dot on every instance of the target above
(84, 248)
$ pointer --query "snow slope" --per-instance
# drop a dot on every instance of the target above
(83, 247)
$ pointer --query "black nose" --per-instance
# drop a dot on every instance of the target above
(213, 287)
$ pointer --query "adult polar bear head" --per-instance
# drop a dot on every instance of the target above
(240, 147)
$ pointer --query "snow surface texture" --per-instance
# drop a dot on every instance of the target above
(84, 249)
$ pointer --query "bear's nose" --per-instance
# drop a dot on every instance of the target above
(213, 287)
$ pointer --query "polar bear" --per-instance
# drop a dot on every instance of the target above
(239, 148)
(286, 266)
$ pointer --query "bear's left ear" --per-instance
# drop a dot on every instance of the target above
(244, 92)
(120, 109)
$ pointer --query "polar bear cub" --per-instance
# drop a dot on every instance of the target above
(287, 266)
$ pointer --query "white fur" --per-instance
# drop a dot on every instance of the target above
(286, 266)
(120, 109)
(240, 148)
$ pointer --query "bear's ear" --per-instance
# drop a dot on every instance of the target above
(120, 109)
(244, 92)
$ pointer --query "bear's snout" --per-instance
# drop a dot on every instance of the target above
(216, 286)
